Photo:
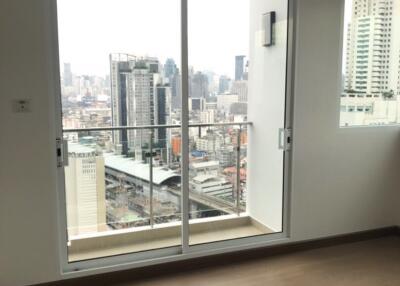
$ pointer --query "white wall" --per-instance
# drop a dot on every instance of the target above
(266, 103)
(344, 180)
(28, 215)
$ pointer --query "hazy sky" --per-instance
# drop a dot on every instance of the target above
(89, 30)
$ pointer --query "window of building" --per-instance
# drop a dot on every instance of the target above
(372, 89)
(156, 125)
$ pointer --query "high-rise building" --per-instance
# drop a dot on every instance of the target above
(213, 82)
(224, 84)
(176, 95)
(225, 101)
(239, 67)
(67, 75)
(373, 48)
(241, 89)
(171, 74)
(163, 112)
(246, 71)
(199, 86)
(170, 68)
(197, 104)
(85, 190)
(133, 92)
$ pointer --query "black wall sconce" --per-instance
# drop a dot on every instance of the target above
(268, 23)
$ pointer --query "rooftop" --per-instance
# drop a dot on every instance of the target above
(205, 164)
(79, 148)
(138, 169)
(205, 178)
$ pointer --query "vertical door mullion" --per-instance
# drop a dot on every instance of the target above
(185, 127)
(56, 89)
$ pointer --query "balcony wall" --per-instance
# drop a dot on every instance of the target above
(344, 180)
(267, 88)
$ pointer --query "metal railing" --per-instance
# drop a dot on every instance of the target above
(149, 127)
(236, 186)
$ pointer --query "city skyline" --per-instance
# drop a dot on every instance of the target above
(202, 83)
(113, 167)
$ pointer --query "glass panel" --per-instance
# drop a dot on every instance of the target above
(107, 193)
(166, 177)
(371, 63)
(212, 156)
(221, 55)
(119, 63)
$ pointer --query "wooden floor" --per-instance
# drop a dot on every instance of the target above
(373, 262)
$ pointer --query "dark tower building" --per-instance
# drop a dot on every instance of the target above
(239, 67)
(162, 113)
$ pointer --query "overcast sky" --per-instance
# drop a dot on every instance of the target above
(89, 30)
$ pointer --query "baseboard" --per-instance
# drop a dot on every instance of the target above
(222, 259)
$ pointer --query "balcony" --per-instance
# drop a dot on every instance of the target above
(124, 196)
(111, 243)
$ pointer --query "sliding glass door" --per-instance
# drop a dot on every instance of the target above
(120, 80)
(236, 105)
(171, 119)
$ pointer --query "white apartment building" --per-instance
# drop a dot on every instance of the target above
(241, 89)
(208, 116)
(205, 179)
(85, 190)
(211, 185)
(211, 106)
(210, 143)
(373, 48)
(224, 101)
(204, 168)
(368, 111)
